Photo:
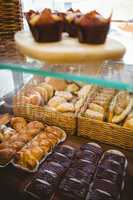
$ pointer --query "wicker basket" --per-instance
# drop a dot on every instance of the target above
(105, 132)
(11, 18)
(65, 121)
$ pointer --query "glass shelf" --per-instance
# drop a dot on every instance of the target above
(113, 74)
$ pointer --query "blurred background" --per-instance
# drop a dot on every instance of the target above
(122, 10)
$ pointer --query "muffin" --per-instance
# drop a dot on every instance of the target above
(46, 26)
(93, 28)
(71, 23)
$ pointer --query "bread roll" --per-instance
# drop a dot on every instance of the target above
(57, 84)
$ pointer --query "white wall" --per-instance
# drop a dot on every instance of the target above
(122, 9)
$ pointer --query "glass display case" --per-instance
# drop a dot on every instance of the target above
(55, 109)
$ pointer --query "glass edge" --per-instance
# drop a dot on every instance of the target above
(67, 76)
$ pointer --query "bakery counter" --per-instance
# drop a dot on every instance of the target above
(13, 181)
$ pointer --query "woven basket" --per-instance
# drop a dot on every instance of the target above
(105, 132)
(65, 121)
(11, 18)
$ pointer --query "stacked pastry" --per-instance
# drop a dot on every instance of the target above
(35, 95)
(47, 178)
(77, 180)
(71, 100)
(30, 156)
(109, 178)
(120, 107)
(98, 103)
(18, 139)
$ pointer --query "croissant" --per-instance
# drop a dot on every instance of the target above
(120, 107)
(18, 123)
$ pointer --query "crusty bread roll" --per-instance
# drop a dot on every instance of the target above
(49, 88)
(65, 107)
(65, 94)
(57, 84)
(94, 115)
(56, 101)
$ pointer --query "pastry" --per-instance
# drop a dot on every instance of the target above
(99, 195)
(65, 94)
(71, 23)
(79, 103)
(73, 88)
(93, 147)
(4, 119)
(72, 188)
(35, 125)
(94, 115)
(30, 155)
(40, 189)
(120, 107)
(93, 28)
(65, 107)
(35, 98)
(48, 176)
(66, 150)
(96, 107)
(18, 123)
(45, 26)
(43, 92)
(54, 167)
(56, 131)
(49, 89)
(56, 101)
(16, 141)
(83, 92)
(57, 84)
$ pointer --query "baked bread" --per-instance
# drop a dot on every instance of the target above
(57, 84)
(49, 88)
(56, 101)
(94, 115)
(65, 107)
(65, 94)
(120, 107)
